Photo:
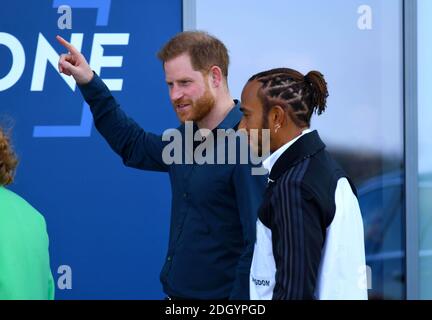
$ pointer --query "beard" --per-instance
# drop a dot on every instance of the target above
(264, 126)
(198, 109)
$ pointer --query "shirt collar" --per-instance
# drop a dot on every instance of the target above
(233, 117)
(271, 160)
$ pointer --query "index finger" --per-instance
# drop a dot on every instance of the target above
(67, 45)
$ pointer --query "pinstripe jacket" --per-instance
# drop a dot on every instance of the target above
(310, 241)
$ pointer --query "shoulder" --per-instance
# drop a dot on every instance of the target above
(14, 207)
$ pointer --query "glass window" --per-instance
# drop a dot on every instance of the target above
(425, 145)
(358, 48)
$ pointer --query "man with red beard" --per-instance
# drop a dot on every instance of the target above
(214, 206)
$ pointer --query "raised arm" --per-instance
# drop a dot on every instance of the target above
(138, 148)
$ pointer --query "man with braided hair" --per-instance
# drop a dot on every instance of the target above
(310, 242)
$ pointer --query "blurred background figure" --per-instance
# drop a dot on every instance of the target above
(24, 259)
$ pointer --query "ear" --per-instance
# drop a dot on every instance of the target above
(277, 117)
(215, 76)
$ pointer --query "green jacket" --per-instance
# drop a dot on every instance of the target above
(24, 259)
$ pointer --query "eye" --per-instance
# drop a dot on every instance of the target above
(185, 82)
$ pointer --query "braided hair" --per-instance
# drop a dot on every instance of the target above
(300, 95)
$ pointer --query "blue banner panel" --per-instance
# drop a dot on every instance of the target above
(108, 224)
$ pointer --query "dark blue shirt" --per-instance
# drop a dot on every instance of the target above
(214, 206)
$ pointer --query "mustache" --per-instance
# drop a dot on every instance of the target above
(180, 101)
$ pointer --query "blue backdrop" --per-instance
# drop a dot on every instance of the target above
(108, 223)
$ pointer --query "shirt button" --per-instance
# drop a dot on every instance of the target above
(169, 258)
(185, 195)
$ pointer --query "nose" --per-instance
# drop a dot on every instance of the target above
(176, 93)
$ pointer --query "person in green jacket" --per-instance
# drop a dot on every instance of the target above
(25, 272)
